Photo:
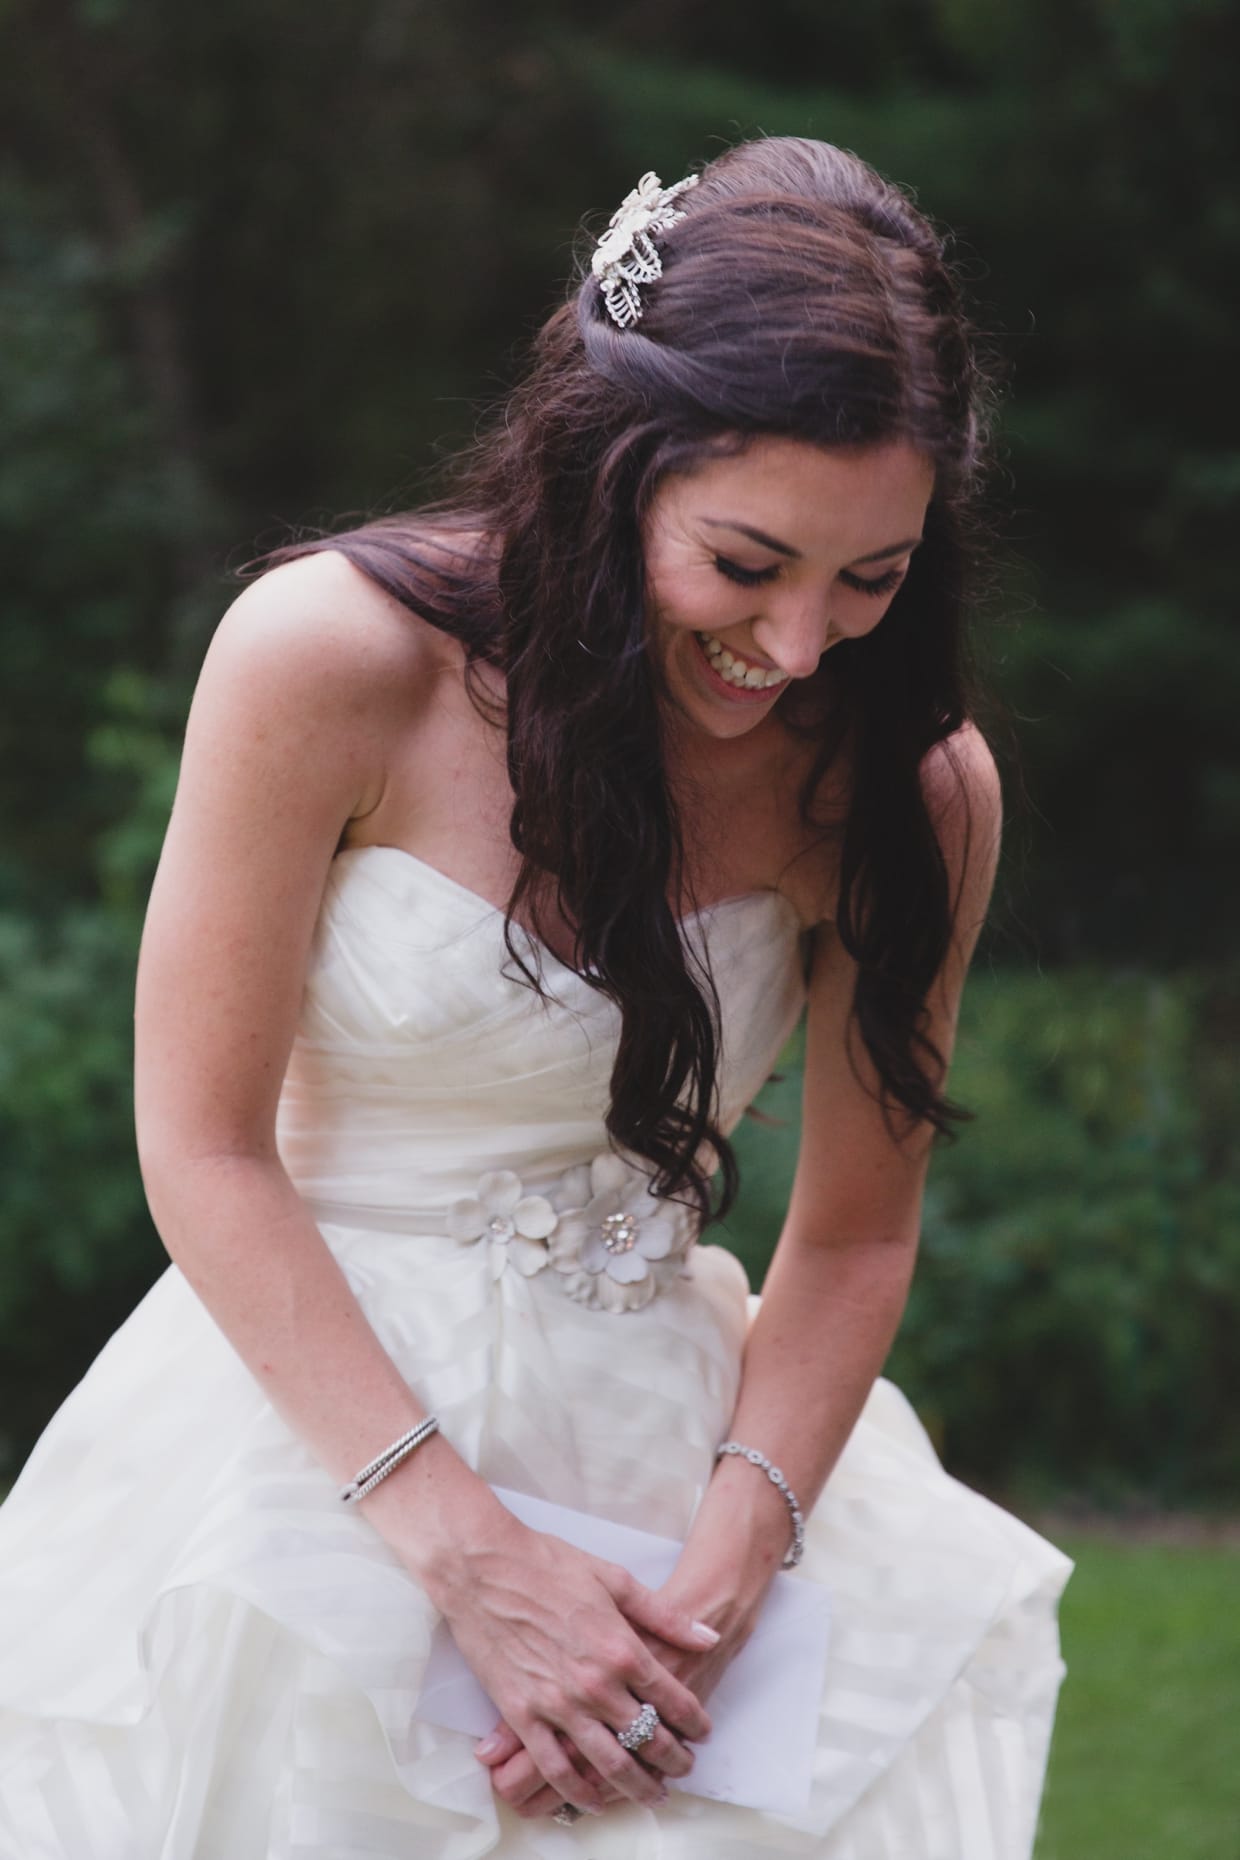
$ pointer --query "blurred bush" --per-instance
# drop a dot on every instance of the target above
(77, 1248)
(260, 261)
(1073, 1317)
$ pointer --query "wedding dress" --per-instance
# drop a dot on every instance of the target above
(204, 1656)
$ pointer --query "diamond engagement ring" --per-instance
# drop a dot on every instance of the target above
(566, 1814)
(641, 1730)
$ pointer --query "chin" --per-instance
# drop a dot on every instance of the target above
(713, 720)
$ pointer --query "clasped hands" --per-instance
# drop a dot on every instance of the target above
(517, 1779)
(570, 1647)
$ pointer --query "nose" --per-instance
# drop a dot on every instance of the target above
(795, 636)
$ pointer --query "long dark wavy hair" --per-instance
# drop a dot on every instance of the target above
(802, 296)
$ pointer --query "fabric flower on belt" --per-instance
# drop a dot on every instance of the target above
(616, 1243)
(515, 1224)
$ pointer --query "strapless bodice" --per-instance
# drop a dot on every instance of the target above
(423, 1060)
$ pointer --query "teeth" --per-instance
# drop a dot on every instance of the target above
(736, 671)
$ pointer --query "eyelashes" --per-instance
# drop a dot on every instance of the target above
(755, 577)
(747, 577)
(885, 584)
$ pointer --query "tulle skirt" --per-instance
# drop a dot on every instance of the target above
(206, 1657)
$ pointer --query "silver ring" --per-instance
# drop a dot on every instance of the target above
(566, 1814)
(641, 1730)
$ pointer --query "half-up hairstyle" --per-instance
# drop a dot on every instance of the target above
(802, 296)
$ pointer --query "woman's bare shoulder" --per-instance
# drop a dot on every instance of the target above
(960, 781)
(964, 799)
(962, 764)
(325, 656)
(310, 687)
(321, 616)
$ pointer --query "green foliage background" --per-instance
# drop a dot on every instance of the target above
(260, 263)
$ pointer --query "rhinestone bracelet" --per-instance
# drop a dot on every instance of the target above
(387, 1461)
(797, 1548)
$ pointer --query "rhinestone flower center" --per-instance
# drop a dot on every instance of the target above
(500, 1227)
(619, 1232)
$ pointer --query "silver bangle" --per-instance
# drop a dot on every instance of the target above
(387, 1461)
(797, 1548)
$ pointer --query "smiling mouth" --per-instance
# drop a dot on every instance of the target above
(741, 674)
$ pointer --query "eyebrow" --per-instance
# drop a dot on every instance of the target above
(782, 548)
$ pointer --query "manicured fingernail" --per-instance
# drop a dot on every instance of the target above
(707, 1636)
(488, 1746)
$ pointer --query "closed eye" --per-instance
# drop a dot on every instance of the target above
(747, 577)
(882, 584)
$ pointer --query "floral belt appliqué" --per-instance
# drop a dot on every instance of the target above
(615, 1243)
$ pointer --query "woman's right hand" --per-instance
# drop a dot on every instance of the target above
(551, 1633)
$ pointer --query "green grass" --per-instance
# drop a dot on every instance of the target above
(1146, 1756)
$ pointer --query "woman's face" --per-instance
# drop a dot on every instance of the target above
(758, 564)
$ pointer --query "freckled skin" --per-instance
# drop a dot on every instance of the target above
(833, 508)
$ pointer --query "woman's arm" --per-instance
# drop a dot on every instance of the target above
(839, 1278)
(312, 682)
(285, 743)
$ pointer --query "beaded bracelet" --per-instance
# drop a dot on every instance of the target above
(387, 1461)
(797, 1549)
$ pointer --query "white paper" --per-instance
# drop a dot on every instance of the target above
(764, 1710)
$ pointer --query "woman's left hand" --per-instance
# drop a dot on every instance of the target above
(513, 1774)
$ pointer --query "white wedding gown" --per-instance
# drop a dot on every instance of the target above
(204, 1656)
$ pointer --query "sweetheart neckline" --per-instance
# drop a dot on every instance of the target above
(496, 910)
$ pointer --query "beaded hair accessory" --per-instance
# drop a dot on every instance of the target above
(625, 256)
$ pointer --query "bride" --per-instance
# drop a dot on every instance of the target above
(511, 839)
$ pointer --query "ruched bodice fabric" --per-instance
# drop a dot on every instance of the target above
(423, 1059)
(206, 1657)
